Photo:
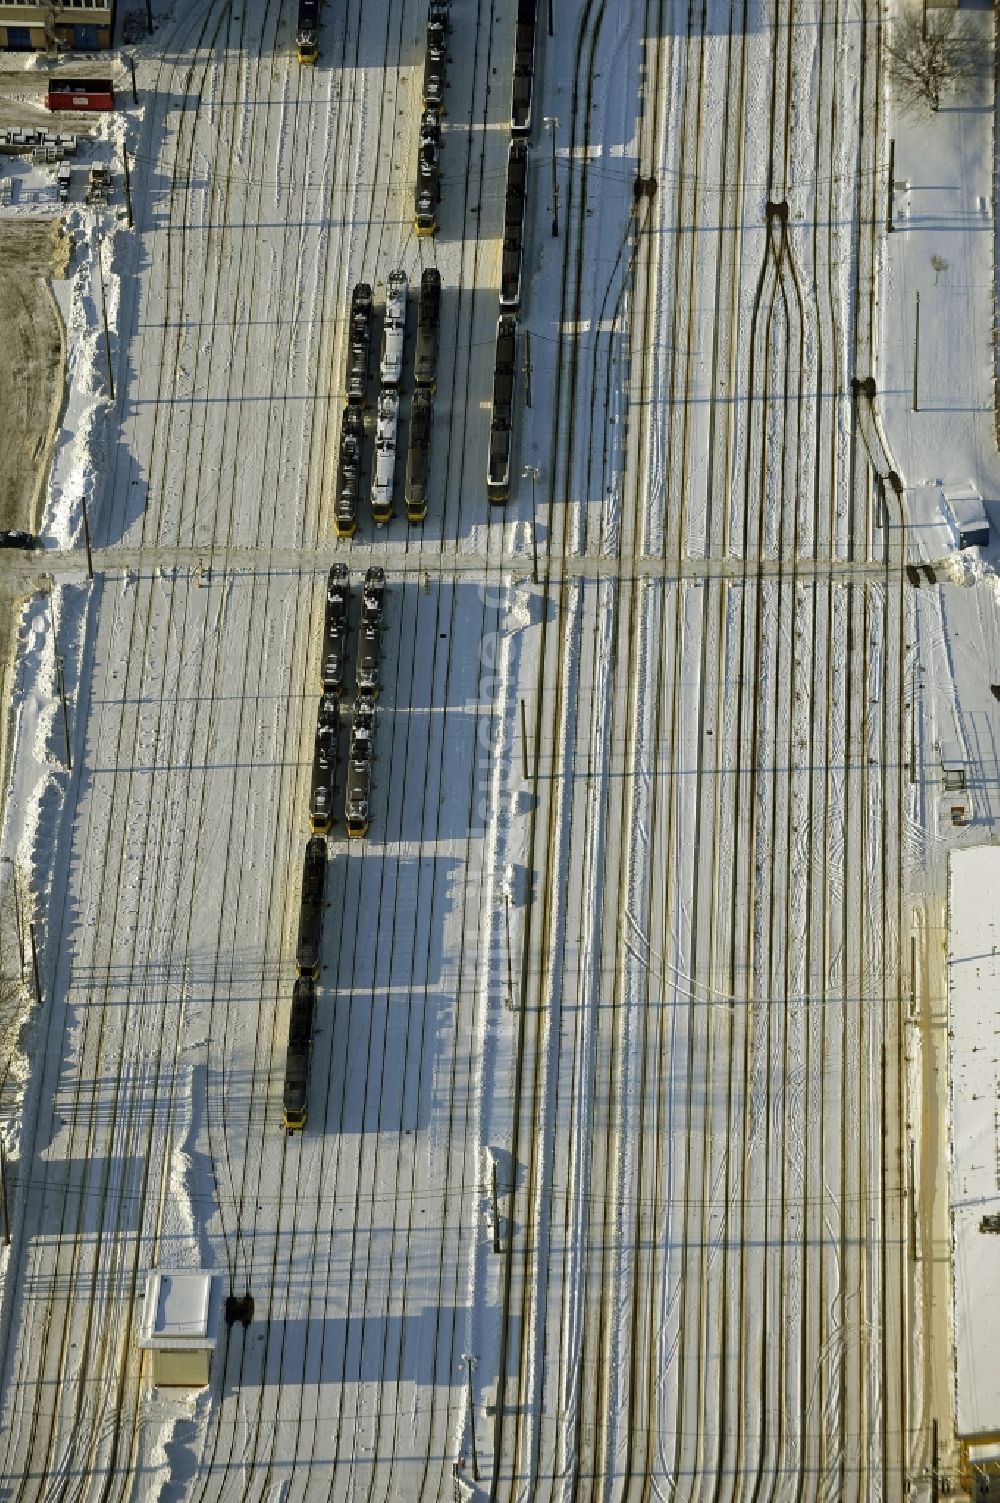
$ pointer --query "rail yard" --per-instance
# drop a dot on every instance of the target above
(475, 921)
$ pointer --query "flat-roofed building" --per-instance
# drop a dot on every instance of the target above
(82, 25)
(180, 1319)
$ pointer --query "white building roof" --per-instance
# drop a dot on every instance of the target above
(974, 1025)
(180, 1311)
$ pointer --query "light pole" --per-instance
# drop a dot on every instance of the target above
(61, 684)
(471, 1363)
(531, 472)
(553, 124)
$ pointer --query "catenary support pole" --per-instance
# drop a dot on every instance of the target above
(496, 1208)
(128, 186)
(892, 185)
(61, 682)
(34, 964)
(916, 356)
(104, 320)
(3, 1189)
(524, 743)
(86, 537)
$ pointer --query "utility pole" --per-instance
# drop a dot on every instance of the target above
(553, 124)
(496, 1208)
(527, 367)
(61, 682)
(892, 185)
(470, 1365)
(524, 743)
(128, 188)
(135, 91)
(3, 1187)
(916, 355)
(86, 538)
(104, 320)
(531, 472)
(34, 964)
(510, 965)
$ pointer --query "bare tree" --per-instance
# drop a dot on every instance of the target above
(929, 51)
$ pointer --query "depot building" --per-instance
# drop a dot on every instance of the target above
(82, 25)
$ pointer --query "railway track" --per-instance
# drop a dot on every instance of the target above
(675, 1127)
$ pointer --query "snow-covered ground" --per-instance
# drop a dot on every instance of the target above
(630, 930)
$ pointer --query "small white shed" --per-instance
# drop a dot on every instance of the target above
(964, 505)
(180, 1318)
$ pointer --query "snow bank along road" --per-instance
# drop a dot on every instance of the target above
(642, 959)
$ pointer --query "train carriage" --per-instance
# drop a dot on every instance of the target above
(524, 67)
(384, 467)
(418, 457)
(517, 187)
(307, 31)
(393, 329)
(428, 187)
(359, 769)
(435, 59)
(498, 462)
(428, 329)
(359, 343)
(307, 951)
(298, 1055)
(345, 505)
(510, 270)
(324, 773)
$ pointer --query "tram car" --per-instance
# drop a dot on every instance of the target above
(503, 370)
(427, 193)
(436, 56)
(338, 587)
(359, 771)
(324, 772)
(384, 466)
(524, 67)
(428, 329)
(297, 1059)
(418, 456)
(328, 717)
(307, 32)
(498, 463)
(307, 950)
(373, 596)
(393, 329)
(510, 270)
(368, 676)
(345, 505)
(517, 187)
(359, 342)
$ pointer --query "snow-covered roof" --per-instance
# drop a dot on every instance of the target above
(974, 1024)
(179, 1310)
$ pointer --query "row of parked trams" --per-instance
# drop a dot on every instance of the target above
(322, 793)
(391, 374)
(514, 203)
(336, 627)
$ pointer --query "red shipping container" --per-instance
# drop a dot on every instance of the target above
(81, 94)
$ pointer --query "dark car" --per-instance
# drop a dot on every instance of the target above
(15, 538)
